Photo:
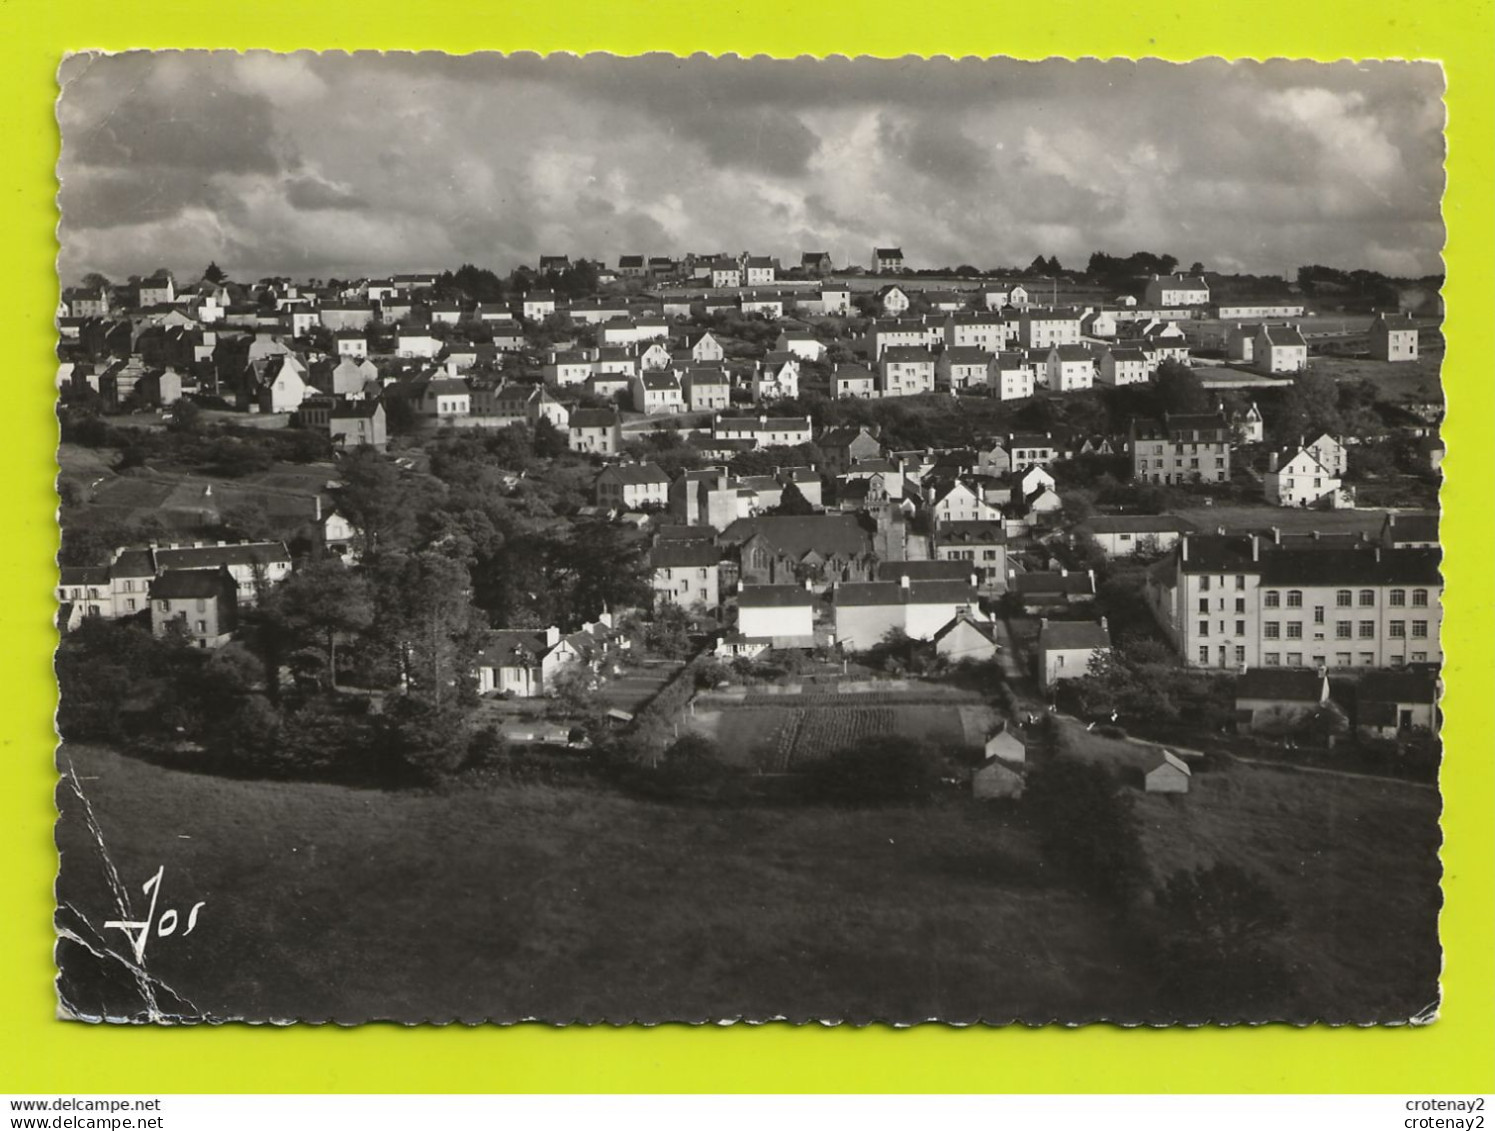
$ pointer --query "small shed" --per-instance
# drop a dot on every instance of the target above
(1167, 773)
(1006, 746)
(994, 781)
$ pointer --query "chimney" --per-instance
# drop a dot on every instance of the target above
(1104, 626)
(1378, 553)
(1220, 530)
(903, 582)
(1271, 461)
(809, 586)
(1183, 548)
(1315, 535)
(552, 636)
(1063, 572)
(1255, 548)
(1277, 535)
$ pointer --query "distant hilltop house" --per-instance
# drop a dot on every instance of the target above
(1393, 337)
(887, 260)
(816, 263)
(1176, 290)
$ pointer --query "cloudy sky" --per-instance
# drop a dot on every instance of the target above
(367, 164)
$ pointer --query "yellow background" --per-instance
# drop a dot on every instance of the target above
(39, 1054)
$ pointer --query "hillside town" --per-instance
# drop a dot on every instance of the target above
(733, 529)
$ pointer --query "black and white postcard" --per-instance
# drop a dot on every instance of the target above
(611, 540)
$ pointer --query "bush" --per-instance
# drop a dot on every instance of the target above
(884, 770)
(1086, 826)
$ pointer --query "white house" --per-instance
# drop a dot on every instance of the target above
(1299, 480)
(1069, 368)
(1066, 648)
(784, 615)
(1279, 349)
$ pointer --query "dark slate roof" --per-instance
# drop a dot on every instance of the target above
(210, 557)
(85, 575)
(924, 571)
(1362, 565)
(936, 592)
(593, 418)
(181, 583)
(1058, 635)
(512, 647)
(907, 354)
(348, 410)
(1051, 581)
(671, 554)
(968, 530)
(797, 535)
(1285, 684)
(673, 533)
(635, 473)
(1420, 527)
(774, 597)
(1397, 687)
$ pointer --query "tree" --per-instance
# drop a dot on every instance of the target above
(1179, 390)
(1310, 407)
(793, 502)
(214, 274)
(422, 607)
(374, 499)
(321, 602)
(1197, 268)
(94, 281)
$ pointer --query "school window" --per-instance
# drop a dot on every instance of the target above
(1240, 654)
(1204, 604)
(1240, 581)
(1294, 598)
(1367, 629)
(1204, 628)
(1272, 659)
(1341, 659)
(1420, 629)
(1343, 599)
(202, 626)
(1419, 657)
(1204, 655)
(1204, 584)
(1318, 614)
(1398, 661)
(1367, 598)
(1240, 604)
(1342, 630)
(1398, 598)
(1367, 658)
(1295, 659)
(1294, 630)
(1419, 598)
(163, 606)
(1397, 629)
(1272, 630)
(1273, 599)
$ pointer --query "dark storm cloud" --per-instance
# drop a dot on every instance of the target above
(312, 193)
(339, 162)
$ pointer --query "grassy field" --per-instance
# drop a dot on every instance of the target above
(324, 902)
(330, 903)
(782, 737)
(1395, 381)
(1356, 860)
